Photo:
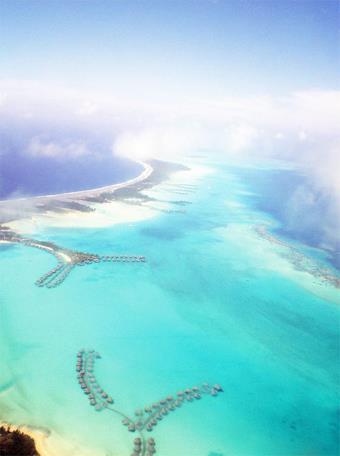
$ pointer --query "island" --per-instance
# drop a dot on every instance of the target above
(13, 442)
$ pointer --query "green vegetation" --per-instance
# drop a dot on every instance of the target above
(16, 443)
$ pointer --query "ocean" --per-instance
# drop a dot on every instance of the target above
(215, 302)
(23, 175)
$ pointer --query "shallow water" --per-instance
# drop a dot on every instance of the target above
(214, 303)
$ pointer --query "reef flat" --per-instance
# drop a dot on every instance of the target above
(300, 261)
(218, 300)
(154, 172)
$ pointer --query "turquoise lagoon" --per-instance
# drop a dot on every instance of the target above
(214, 302)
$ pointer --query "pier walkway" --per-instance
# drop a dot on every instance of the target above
(67, 259)
(145, 419)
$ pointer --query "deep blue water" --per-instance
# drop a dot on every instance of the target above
(305, 213)
(25, 175)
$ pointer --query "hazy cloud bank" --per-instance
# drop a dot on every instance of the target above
(302, 127)
(63, 150)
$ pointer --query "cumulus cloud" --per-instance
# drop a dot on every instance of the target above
(302, 127)
(314, 210)
(294, 125)
(70, 150)
(179, 140)
(87, 108)
(154, 141)
(242, 137)
(275, 125)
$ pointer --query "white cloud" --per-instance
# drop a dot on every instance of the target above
(302, 136)
(242, 137)
(306, 123)
(313, 110)
(40, 148)
(87, 108)
(302, 127)
(177, 140)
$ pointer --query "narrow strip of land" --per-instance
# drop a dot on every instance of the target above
(147, 171)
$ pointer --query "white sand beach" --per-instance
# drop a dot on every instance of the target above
(109, 213)
(49, 443)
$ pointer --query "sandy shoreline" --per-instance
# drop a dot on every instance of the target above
(49, 443)
(157, 196)
(91, 192)
(139, 201)
(23, 214)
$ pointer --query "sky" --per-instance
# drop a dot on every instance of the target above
(157, 48)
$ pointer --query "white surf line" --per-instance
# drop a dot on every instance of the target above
(147, 171)
(63, 255)
(66, 258)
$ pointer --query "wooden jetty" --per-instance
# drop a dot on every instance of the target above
(144, 419)
(67, 259)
